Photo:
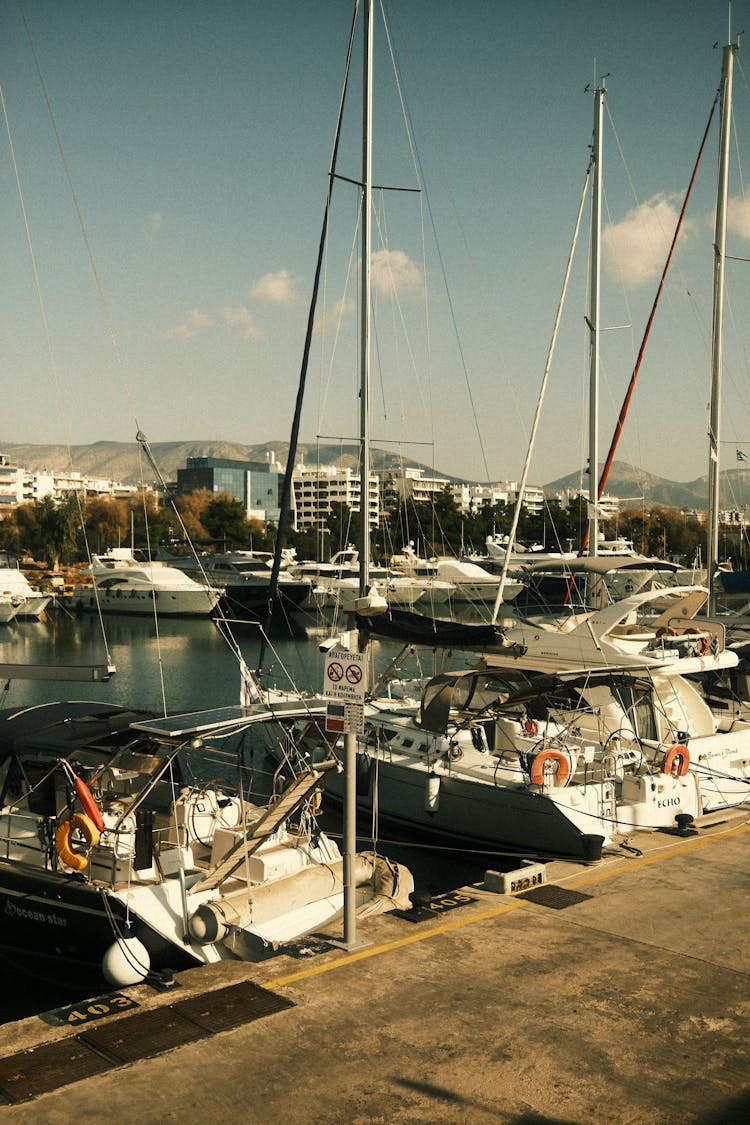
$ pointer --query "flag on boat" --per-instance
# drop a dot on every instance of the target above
(741, 456)
(249, 693)
(596, 511)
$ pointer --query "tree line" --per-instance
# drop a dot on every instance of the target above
(63, 533)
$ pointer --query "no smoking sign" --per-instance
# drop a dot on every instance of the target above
(344, 676)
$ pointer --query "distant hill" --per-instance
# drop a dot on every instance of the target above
(625, 481)
(121, 461)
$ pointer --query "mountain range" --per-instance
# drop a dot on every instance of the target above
(122, 461)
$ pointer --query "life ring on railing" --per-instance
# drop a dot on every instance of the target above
(530, 727)
(676, 760)
(666, 631)
(704, 644)
(89, 831)
(541, 760)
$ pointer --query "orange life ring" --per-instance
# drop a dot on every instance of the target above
(666, 631)
(90, 833)
(676, 760)
(704, 644)
(539, 762)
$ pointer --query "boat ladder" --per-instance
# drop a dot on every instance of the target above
(292, 798)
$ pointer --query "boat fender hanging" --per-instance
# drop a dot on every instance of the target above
(89, 831)
(676, 760)
(126, 961)
(432, 794)
(546, 756)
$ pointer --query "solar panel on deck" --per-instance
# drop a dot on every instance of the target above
(197, 723)
(193, 723)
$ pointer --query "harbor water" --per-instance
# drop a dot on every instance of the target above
(180, 665)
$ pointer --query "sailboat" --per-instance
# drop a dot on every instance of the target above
(569, 735)
(132, 845)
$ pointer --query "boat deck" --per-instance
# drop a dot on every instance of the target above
(616, 993)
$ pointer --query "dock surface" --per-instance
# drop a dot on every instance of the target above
(611, 994)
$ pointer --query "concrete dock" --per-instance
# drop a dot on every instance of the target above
(618, 993)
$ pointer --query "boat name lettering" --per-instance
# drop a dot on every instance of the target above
(26, 912)
(668, 803)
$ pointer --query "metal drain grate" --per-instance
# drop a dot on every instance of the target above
(30, 1073)
(556, 898)
(231, 1007)
(141, 1036)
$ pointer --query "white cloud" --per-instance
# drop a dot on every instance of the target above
(635, 249)
(335, 315)
(278, 288)
(738, 217)
(194, 322)
(241, 318)
(153, 225)
(394, 272)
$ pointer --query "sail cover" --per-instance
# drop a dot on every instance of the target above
(416, 628)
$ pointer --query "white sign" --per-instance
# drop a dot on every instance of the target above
(345, 676)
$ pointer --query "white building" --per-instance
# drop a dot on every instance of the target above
(21, 486)
(470, 497)
(318, 488)
(414, 485)
(11, 484)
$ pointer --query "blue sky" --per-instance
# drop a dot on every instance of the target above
(197, 137)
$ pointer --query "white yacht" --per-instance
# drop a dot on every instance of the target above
(13, 582)
(8, 608)
(122, 584)
(335, 584)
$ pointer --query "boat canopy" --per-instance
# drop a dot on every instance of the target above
(601, 564)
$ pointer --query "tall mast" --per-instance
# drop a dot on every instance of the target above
(350, 739)
(593, 321)
(366, 230)
(720, 238)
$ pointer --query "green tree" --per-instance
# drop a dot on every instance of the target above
(10, 538)
(106, 522)
(225, 520)
(57, 526)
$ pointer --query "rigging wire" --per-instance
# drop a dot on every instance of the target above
(631, 387)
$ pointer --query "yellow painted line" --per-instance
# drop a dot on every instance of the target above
(400, 943)
(497, 911)
(668, 852)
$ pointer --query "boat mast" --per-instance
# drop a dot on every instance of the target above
(720, 238)
(593, 321)
(365, 299)
(350, 739)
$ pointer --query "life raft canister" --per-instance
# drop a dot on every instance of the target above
(541, 760)
(89, 831)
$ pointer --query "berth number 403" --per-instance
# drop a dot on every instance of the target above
(97, 1009)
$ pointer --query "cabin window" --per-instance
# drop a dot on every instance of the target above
(637, 703)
